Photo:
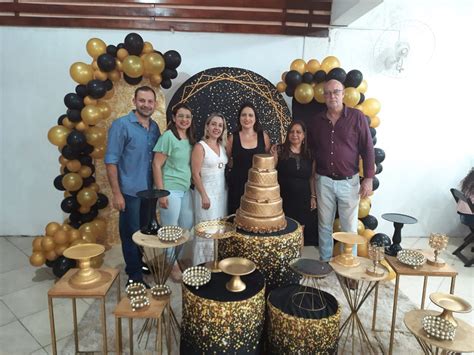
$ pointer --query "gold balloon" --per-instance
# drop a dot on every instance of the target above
(109, 94)
(73, 165)
(299, 65)
(66, 193)
(363, 250)
(114, 75)
(371, 107)
(77, 242)
(84, 209)
(360, 228)
(368, 234)
(304, 93)
(66, 227)
(63, 161)
(51, 228)
(94, 65)
(91, 115)
(100, 226)
(133, 66)
(118, 63)
(85, 171)
(59, 250)
(374, 121)
(94, 186)
(36, 244)
(81, 73)
(87, 197)
(156, 79)
(100, 75)
(61, 237)
(51, 255)
(47, 243)
(96, 136)
(88, 100)
(97, 261)
(104, 108)
(281, 86)
(153, 63)
(313, 66)
(364, 207)
(88, 238)
(319, 93)
(67, 123)
(57, 135)
(351, 97)
(82, 126)
(358, 107)
(72, 181)
(37, 259)
(88, 228)
(330, 63)
(362, 88)
(74, 234)
(336, 227)
(122, 53)
(391, 272)
(283, 76)
(98, 153)
(95, 47)
(147, 47)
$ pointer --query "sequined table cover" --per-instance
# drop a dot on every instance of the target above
(271, 252)
(295, 330)
(217, 321)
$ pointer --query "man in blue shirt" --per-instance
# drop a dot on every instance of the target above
(128, 162)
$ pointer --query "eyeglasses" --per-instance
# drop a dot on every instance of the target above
(181, 116)
(336, 92)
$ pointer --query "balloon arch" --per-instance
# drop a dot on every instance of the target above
(81, 138)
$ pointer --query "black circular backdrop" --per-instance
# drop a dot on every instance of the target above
(224, 90)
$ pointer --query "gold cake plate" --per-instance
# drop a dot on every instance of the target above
(236, 267)
(86, 276)
(349, 240)
(450, 303)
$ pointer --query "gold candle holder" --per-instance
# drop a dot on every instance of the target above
(236, 267)
(86, 276)
(376, 254)
(438, 242)
(450, 303)
(349, 240)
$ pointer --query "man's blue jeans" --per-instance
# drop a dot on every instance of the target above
(129, 223)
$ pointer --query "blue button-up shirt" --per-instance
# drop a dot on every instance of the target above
(130, 147)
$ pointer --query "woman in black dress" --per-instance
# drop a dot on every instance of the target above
(248, 140)
(296, 173)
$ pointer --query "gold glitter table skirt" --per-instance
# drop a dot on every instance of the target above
(293, 330)
(217, 321)
(271, 252)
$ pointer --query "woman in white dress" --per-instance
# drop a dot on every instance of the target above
(208, 163)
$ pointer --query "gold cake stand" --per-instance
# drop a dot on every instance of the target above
(349, 240)
(450, 303)
(216, 230)
(86, 276)
(236, 267)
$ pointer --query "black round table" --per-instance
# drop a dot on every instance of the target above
(399, 220)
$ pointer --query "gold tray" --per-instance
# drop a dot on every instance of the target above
(215, 229)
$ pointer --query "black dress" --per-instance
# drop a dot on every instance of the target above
(293, 176)
(241, 163)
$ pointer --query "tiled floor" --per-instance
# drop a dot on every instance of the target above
(24, 322)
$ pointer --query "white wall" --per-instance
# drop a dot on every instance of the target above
(426, 124)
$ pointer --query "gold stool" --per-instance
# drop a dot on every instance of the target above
(64, 289)
(154, 313)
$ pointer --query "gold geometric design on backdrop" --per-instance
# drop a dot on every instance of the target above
(121, 104)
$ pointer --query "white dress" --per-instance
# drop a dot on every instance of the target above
(213, 180)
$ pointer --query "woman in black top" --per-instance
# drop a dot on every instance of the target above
(249, 139)
(296, 174)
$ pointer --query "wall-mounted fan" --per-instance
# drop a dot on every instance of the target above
(403, 48)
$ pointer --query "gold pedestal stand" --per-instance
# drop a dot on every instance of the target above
(86, 276)
(349, 240)
(236, 267)
(216, 230)
(450, 303)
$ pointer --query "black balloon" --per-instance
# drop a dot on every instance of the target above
(74, 115)
(87, 149)
(106, 62)
(108, 84)
(87, 181)
(75, 225)
(61, 118)
(370, 222)
(373, 132)
(374, 141)
(58, 183)
(112, 50)
(166, 83)
(290, 91)
(381, 240)
(63, 265)
(293, 78)
(169, 74)
(88, 217)
(69, 204)
(50, 263)
(353, 79)
(379, 169)
(96, 88)
(69, 152)
(307, 78)
(375, 183)
(379, 155)
(319, 76)
(133, 43)
(81, 90)
(75, 217)
(73, 101)
(120, 46)
(76, 139)
(86, 160)
(368, 120)
(102, 201)
(338, 74)
(172, 59)
(362, 99)
(132, 81)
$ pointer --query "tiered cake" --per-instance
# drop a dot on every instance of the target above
(261, 209)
